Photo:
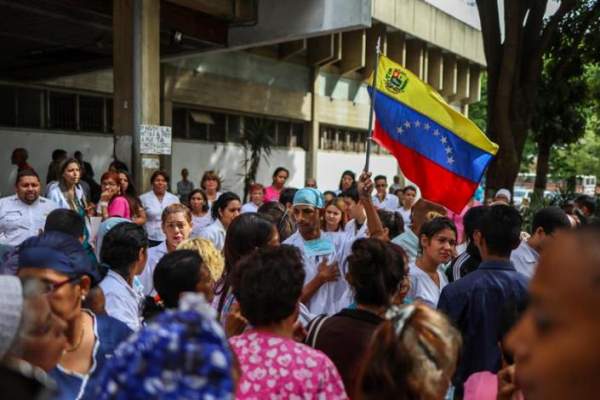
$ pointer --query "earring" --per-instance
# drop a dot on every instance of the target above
(83, 297)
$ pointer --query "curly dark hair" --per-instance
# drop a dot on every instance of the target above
(374, 270)
(268, 284)
(222, 202)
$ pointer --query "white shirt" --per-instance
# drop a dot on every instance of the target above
(154, 209)
(199, 223)
(332, 296)
(214, 232)
(525, 259)
(56, 194)
(249, 207)
(122, 301)
(19, 220)
(352, 230)
(389, 203)
(423, 288)
(147, 276)
(405, 216)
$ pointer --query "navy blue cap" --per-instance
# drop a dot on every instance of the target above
(59, 252)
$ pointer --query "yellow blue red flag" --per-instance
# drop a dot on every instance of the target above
(439, 149)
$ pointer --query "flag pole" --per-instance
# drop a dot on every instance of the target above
(372, 111)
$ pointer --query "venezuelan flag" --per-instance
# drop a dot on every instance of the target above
(439, 149)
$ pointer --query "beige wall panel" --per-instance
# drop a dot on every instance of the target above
(343, 113)
(396, 47)
(435, 68)
(353, 51)
(101, 81)
(236, 95)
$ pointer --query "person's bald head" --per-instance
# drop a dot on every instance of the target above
(555, 344)
(423, 211)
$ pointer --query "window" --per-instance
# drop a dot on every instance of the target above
(91, 113)
(199, 122)
(62, 113)
(109, 115)
(234, 128)
(297, 135)
(179, 128)
(216, 131)
(8, 110)
(29, 107)
(343, 139)
(283, 133)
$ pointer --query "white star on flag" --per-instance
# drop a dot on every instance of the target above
(407, 124)
(448, 149)
(418, 124)
(400, 130)
(427, 126)
(450, 160)
(444, 140)
(436, 132)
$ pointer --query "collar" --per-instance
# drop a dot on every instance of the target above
(505, 265)
(531, 255)
(361, 315)
(220, 225)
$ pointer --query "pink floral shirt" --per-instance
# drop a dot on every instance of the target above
(274, 367)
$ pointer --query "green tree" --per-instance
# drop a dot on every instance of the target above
(562, 109)
(257, 141)
(515, 61)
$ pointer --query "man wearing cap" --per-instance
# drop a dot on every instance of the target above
(326, 290)
(502, 197)
(23, 214)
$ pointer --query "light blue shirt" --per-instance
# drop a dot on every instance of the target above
(122, 301)
(409, 243)
(525, 259)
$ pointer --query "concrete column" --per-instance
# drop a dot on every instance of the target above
(474, 84)
(435, 70)
(136, 65)
(463, 80)
(396, 47)
(167, 84)
(414, 57)
(449, 87)
(313, 131)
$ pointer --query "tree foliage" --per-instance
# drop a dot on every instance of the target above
(257, 142)
(514, 62)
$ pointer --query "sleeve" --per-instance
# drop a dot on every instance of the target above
(115, 309)
(119, 207)
(451, 305)
(332, 386)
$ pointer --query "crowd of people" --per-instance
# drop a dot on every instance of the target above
(364, 292)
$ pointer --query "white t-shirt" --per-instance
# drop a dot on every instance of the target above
(214, 232)
(199, 223)
(154, 208)
(405, 216)
(423, 288)
(332, 296)
(249, 207)
(147, 276)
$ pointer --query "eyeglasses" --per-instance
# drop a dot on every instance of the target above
(52, 287)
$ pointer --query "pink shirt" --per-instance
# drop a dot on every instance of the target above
(271, 194)
(119, 207)
(277, 367)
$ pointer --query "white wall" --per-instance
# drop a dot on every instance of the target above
(96, 149)
(331, 164)
(228, 160)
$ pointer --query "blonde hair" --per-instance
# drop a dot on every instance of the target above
(413, 354)
(212, 258)
(174, 209)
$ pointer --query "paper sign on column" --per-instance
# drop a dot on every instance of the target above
(155, 139)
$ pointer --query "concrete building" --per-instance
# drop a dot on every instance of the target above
(215, 71)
